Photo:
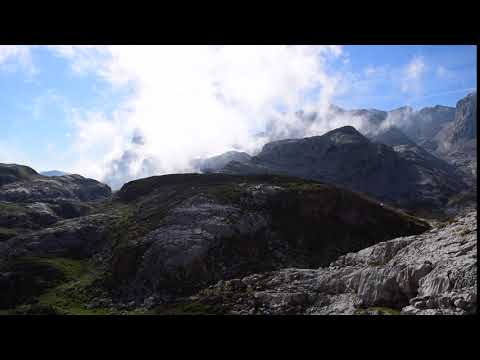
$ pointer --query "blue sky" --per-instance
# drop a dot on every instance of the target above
(448, 75)
(46, 93)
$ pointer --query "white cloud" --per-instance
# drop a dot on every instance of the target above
(444, 73)
(15, 57)
(412, 75)
(193, 101)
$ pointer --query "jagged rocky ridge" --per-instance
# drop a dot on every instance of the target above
(429, 140)
(433, 273)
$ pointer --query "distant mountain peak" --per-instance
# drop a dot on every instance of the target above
(343, 133)
(53, 173)
(348, 129)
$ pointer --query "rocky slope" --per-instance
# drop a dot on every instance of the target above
(431, 273)
(405, 176)
(164, 237)
(29, 201)
(426, 161)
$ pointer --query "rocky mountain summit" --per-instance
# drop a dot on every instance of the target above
(432, 273)
(405, 175)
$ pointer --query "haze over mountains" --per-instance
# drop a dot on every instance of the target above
(402, 172)
(53, 173)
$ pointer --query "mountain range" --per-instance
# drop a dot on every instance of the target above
(388, 163)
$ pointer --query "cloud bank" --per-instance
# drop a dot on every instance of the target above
(191, 102)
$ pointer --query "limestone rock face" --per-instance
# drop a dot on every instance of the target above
(431, 273)
(465, 123)
(457, 142)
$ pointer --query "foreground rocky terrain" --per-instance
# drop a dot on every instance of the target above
(162, 238)
(429, 274)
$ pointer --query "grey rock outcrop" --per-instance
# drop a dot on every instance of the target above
(432, 273)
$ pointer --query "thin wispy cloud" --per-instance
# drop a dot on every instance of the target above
(411, 81)
(16, 57)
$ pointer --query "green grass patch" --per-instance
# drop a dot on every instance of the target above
(10, 208)
(375, 263)
(70, 296)
(383, 310)
(6, 233)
